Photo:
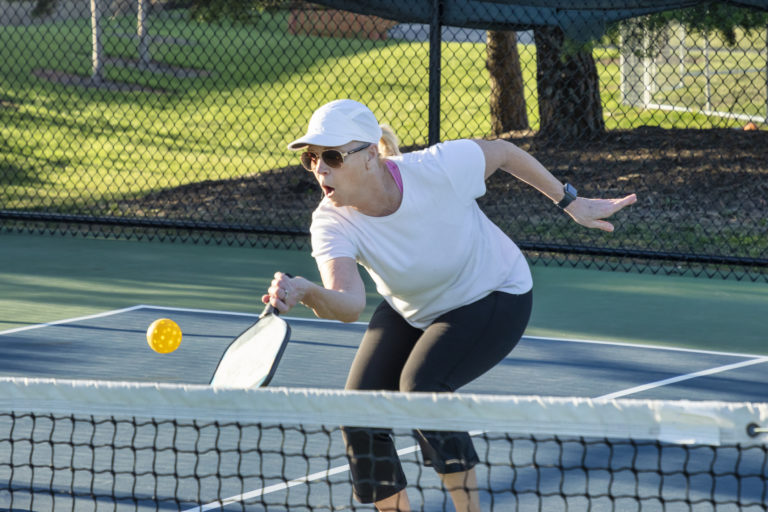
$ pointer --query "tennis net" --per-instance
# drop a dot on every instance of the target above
(87, 445)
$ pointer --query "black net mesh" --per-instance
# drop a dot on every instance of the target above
(576, 456)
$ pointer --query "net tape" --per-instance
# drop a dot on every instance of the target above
(73, 445)
(672, 421)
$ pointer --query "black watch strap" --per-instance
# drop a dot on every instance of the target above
(569, 197)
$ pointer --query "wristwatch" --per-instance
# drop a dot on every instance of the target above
(569, 197)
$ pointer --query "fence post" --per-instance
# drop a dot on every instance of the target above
(635, 70)
(435, 62)
(707, 72)
(141, 33)
(97, 51)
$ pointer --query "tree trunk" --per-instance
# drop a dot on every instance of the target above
(508, 109)
(569, 91)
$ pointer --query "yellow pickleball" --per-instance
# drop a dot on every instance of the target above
(164, 336)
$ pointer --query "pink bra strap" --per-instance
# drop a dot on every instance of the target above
(395, 171)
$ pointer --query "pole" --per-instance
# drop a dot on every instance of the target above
(708, 71)
(435, 42)
(141, 33)
(97, 51)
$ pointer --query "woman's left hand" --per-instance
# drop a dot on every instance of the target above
(591, 212)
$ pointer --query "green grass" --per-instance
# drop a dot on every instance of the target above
(732, 79)
(68, 148)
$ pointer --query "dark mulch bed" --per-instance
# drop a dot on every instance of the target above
(677, 174)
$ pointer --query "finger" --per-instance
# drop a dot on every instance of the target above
(603, 225)
(624, 201)
(598, 224)
(280, 293)
(614, 205)
(277, 303)
(282, 306)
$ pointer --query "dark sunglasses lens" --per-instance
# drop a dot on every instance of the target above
(333, 158)
(308, 159)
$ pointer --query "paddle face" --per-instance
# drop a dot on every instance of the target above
(251, 359)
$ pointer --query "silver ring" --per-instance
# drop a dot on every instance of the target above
(285, 294)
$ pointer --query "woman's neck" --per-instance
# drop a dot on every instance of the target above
(383, 197)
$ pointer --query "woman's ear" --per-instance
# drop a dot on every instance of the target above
(373, 155)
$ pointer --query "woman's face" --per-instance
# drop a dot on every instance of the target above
(341, 184)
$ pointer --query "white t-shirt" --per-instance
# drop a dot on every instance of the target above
(438, 251)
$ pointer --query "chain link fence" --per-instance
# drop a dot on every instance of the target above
(136, 119)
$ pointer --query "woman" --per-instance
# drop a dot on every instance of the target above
(456, 289)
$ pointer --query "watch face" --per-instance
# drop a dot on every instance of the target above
(569, 194)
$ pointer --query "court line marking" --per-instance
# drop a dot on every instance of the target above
(324, 321)
(196, 310)
(533, 338)
(681, 378)
(71, 320)
(340, 469)
(643, 346)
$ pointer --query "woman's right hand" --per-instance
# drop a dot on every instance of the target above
(284, 292)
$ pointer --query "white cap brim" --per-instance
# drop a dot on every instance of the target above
(319, 139)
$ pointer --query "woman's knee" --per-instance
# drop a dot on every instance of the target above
(421, 379)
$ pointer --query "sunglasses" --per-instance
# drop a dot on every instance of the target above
(331, 157)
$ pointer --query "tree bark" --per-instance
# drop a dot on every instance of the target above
(569, 90)
(507, 101)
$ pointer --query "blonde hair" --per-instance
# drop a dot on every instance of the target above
(388, 144)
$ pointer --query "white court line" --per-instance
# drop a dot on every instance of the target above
(209, 311)
(681, 378)
(324, 321)
(124, 310)
(533, 338)
(285, 485)
(340, 469)
(71, 320)
(642, 346)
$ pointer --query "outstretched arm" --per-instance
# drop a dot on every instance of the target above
(500, 154)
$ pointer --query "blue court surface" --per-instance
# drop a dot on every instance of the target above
(112, 346)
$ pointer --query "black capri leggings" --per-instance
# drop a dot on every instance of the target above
(455, 349)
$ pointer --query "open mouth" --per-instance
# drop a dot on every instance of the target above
(328, 191)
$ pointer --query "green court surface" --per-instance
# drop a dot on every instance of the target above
(47, 278)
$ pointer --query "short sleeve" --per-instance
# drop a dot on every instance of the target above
(464, 165)
(329, 238)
